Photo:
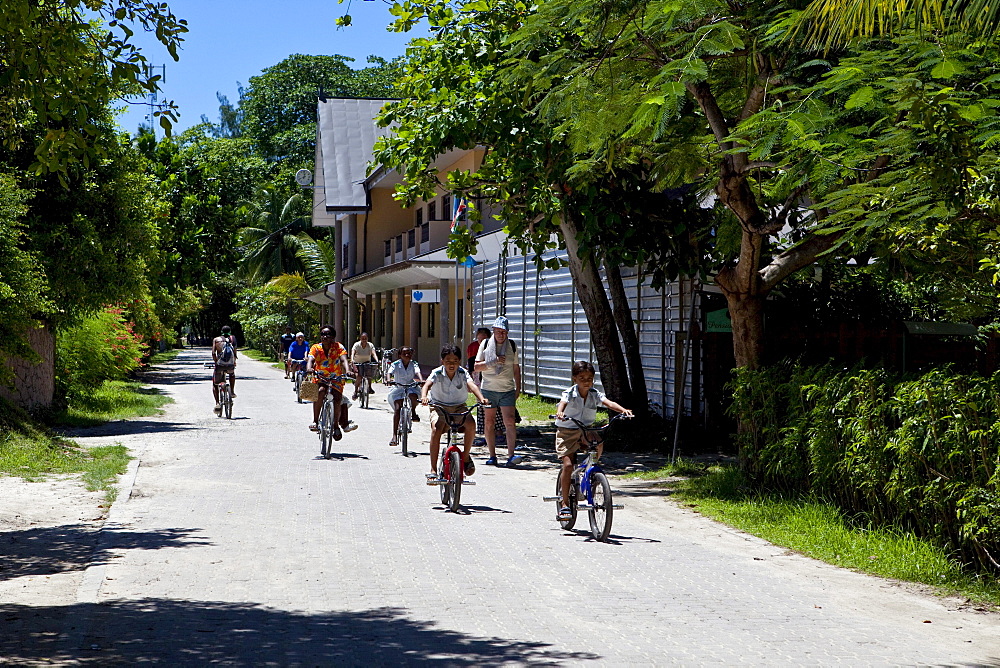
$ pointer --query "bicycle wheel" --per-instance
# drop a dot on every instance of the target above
(298, 386)
(600, 510)
(229, 403)
(326, 428)
(364, 392)
(455, 480)
(566, 524)
(442, 472)
(403, 434)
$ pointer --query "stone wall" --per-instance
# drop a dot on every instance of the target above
(34, 384)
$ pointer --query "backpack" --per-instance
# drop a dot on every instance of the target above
(228, 355)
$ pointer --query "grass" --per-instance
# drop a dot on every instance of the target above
(31, 451)
(165, 356)
(536, 409)
(817, 529)
(113, 400)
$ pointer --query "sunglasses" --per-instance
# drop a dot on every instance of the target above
(326, 334)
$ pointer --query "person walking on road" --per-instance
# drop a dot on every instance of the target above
(498, 362)
(285, 340)
(224, 355)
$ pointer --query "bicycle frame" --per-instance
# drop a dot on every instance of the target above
(451, 481)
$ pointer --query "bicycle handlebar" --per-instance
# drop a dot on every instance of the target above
(328, 376)
(600, 429)
(414, 384)
(467, 411)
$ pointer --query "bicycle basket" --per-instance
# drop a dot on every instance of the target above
(309, 391)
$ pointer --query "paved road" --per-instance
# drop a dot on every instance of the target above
(234, 543)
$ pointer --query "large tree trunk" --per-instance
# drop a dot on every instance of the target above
(604, 334)
(639, 401)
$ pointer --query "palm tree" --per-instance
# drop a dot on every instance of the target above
(318, 258)
(833, 23)
(269, 245)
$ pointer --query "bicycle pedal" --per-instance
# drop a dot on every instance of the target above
(584, 507)
(548, 499)
(468, 482)
(617, 506)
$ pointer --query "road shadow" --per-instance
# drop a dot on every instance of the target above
(127, 428)
(178, 632)
(342, 456)
(471, 510)
(74, 547)
(612, 539)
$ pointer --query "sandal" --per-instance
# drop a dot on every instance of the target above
(470, 467)
(393, 443)
(314, 427)
(565, 513)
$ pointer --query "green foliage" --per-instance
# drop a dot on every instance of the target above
(97, 348)
(266, 309)
(63, 60)
(268, 243)
(920, 453)
(22, 280)
(280, 103)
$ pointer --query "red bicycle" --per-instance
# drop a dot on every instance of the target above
(451, 472)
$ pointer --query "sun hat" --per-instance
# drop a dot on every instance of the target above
(298, 334)
(501, 323)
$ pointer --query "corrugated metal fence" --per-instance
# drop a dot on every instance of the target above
(550, 328)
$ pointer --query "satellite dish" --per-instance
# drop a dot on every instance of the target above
(303, 177)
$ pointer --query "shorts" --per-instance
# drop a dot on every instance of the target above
(568, 441)
(221, 371)
(437, 418)
(501, 398)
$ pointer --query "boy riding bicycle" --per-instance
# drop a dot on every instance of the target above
(580, 401)
(403, 372)
(448, 386)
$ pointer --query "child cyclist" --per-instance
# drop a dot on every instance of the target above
(449, 386)
(579, 401)
(402, 372)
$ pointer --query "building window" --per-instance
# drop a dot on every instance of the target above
(432, 211)
(460, 318)
(388, 247)
(399, 244)
(411, 238)
(446, 207)
(420, 217)
(420, 316)
(431, 311)
(425, 233)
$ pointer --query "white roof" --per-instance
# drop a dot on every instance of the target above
(345, 136)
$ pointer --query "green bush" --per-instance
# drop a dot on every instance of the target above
(917, 453)
(98, 348)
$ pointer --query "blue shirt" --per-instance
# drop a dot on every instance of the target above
(298, 351)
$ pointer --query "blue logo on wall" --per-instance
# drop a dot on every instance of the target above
(417, 295)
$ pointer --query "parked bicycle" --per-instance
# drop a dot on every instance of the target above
(589, 488)
(405, 415)
(451, 473)
(386, 356)
(225, 393)
(326, 413)
(366, 372)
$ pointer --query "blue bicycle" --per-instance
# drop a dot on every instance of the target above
(588, 484)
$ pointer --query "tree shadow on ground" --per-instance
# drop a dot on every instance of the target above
(177, 632)
(127, 428)
(73, 547)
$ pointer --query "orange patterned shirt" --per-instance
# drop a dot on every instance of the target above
(330, 363)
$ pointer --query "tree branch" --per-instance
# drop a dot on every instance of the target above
(801, 255)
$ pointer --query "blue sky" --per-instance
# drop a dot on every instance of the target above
(230, 42)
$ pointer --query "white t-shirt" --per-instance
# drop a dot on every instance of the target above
(361, 353)
(584, 410)
(449, 391)
(502, 380)
(404, 375)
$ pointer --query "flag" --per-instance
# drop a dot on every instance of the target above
(459, 214)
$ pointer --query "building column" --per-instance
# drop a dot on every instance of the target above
(400, 324)
(368, 321)
(389, 318)
(444, 307)
(377, 320)
(352, 318)
(338, 279)
(414, 324)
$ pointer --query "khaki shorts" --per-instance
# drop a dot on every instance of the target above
(568, 441)
(437, 418)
